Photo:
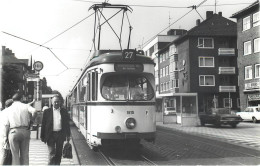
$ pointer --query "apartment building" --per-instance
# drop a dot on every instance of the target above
(248, 44)
(198, 70)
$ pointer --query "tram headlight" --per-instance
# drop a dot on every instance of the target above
(130, 123)
(118, 129)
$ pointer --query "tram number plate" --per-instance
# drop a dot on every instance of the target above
(129, 54)
(130, 112)
(131, 135)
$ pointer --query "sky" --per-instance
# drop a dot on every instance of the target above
(66, 27)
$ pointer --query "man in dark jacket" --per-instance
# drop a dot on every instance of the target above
(55, 129)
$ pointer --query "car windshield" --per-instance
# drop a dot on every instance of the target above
(121, 87)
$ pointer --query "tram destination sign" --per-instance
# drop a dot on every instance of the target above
(129, 67)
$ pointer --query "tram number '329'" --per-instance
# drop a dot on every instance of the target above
(129, 54)
(130, 112)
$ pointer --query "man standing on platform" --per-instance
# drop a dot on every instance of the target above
(17, 125)
(55, 129)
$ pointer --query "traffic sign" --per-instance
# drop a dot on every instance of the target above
(38, 66)
(32, 79)
(31, 75)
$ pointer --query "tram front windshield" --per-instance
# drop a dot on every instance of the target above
(121, 87)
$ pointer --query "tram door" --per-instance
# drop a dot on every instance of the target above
(92, 88)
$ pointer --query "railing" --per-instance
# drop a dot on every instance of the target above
(227, 88)
(226, 51)
(252, 85)
(175, 90)
(226, 70)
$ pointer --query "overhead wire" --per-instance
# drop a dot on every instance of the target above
(193, 7)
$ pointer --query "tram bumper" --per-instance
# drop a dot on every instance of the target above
(133, 135)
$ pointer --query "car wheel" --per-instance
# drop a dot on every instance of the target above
(254, 120)
(234, 125)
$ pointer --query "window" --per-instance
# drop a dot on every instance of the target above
(227, 102)
(205, 43)
(161, 73)
(173, 49)
(247, 48)
(127, 87)
(167, 85)
(163, 59)
(167, 70)
(207, 80)
(167, 55)
(82, 89)
(175, 84)
(256, 19)
(248, 72)
(257, 71)
(164, 86)
(206, 61)
(256, 45)
(246, 23)
(161, 87)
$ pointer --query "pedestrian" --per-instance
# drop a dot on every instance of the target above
(55, 130)
(3, 116)
(18, 121)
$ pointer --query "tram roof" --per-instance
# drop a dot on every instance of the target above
(115, 56)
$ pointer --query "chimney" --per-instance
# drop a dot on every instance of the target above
(209, 14)
(197, 22)
(220, 14)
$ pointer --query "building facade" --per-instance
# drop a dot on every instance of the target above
(202, 63)
(20, 84)
(248, 43)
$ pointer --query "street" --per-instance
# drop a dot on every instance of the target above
(178, 145)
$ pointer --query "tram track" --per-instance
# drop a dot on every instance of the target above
(139, 159)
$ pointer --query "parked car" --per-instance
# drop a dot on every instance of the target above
(220, 116)
(250, 114)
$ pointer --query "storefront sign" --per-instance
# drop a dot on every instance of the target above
(253, 97)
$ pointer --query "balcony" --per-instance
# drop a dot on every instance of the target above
(226, 70)
(226, 51)
(175, 89)
(252, 86)
(227, 88)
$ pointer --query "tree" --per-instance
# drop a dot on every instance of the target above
(10, 81)
(45, 89)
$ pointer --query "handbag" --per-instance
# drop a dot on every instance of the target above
(7, 156)
(67, 151)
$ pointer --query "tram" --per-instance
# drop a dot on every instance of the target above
(114, 99)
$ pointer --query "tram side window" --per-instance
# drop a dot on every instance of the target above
(94, 85)
(82, 89)
(75, 95)
(88, 87)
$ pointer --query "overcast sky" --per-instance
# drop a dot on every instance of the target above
(67, 27)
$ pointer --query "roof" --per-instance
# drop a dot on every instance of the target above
(215, 25)
(245, 10)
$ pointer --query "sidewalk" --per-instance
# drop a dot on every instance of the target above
(38, 153)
